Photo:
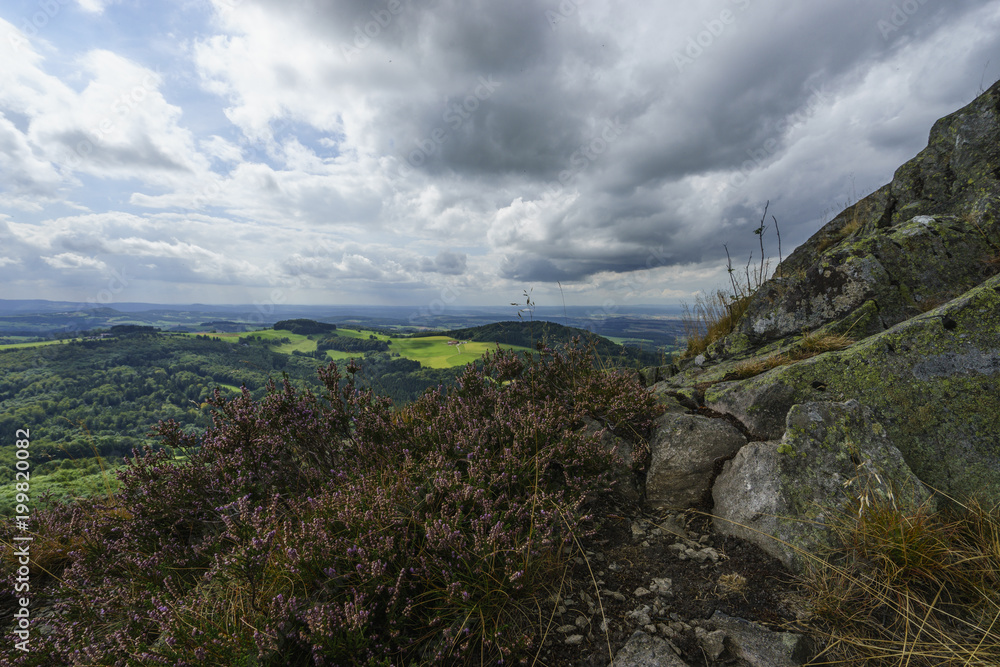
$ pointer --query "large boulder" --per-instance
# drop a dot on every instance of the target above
(933, 381)
(782, 495)
(685, 451)
(919, 241)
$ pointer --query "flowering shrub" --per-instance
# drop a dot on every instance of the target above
(335, 530)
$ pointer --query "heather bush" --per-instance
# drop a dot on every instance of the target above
(336, 530)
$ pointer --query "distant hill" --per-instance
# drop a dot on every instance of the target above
(304, 327)
(528, 334)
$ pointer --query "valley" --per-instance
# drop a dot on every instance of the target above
(90, 396)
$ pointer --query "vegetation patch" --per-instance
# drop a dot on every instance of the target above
(329, 529)
(914, 587)
(444, 351)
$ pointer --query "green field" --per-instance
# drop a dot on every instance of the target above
(435, 352)
(431, 352)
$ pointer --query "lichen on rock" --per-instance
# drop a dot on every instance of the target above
(783, 495)
(933, 381)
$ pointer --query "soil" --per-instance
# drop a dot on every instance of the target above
(629, 552)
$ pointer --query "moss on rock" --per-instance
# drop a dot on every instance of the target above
(933, 381)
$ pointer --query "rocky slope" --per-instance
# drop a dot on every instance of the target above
(910, 406)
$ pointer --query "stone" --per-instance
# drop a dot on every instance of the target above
(661, 586)
(780, 495)
(712, 643)
(684, 452)
(644, 650)
(922, 238)
(932, 381)
(760, 647)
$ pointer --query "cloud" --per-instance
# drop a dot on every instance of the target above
(93, 6)
(68, 261)
(390, 150)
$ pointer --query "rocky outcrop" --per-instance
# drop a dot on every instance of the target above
(932, 381)
(684, 453)
(923, 239)
(907, 404)
(784, 495)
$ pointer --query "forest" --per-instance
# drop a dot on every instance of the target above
(92, 398)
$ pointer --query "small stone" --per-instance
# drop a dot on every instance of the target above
(613, 594)
(582, 622)
(640, 616)
(573, 640)
(713, 643)
(661, 586)
(640, 592)
(650, 628)
(566, 629)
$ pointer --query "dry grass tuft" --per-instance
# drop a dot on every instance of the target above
(712, 318)
(910, 586)
(814, 343)
(756, 366)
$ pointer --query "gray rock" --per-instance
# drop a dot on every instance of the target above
(918, 240)
(684, 452)
(712, 643)
(932, 381)
(643, 650)
(780, 495)
(761, 647)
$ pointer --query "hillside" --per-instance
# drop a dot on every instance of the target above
(529, 334)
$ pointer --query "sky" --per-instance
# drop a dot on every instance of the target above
(444, 153)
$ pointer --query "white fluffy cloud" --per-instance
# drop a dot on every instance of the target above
(382, 152)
